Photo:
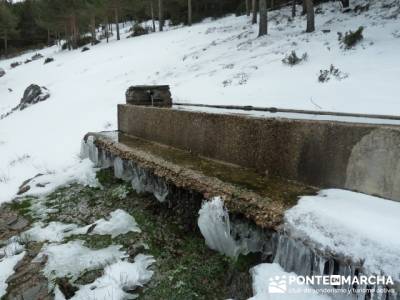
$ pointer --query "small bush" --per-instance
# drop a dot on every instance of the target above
(83, 41)
(15, 64)
(292, 59)
(326, 75)
(350, 39)
(139, 30)
(48, 60)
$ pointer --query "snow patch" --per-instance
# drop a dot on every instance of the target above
(351, 224)
(11, 254)
(117, 278)
(120, 222)
(72, 258)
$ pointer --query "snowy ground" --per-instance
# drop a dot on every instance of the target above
(216, 62)
(350, 224)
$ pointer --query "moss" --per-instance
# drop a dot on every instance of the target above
(106, 177)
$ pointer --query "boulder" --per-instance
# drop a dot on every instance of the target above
(2, 72)
(32, 95)
(15, 64)
(37, 56)
(48, 60)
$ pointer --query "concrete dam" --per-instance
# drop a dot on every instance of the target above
(259, 167)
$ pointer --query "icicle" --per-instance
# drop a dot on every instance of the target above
(215, 227)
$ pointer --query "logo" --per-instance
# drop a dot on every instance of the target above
(277, 285)
(326, 284)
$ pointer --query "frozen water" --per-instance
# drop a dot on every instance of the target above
(215, 227)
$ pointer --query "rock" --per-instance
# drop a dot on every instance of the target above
(85, 49)
(89, 277)
(135, 250)
(66, 287)
(20, 224)
(91, 228)
(2, 72)
(48, 60)
(37, 56)
(27, 61)
(15, 64)
(32, 95)
(36, 292)
(23, 189)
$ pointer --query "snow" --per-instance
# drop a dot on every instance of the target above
(117, 278)
(10, 255)
(264, 274)
(120, 222)
(355, 225)
(214, 62)
(215, 227)
(53, 232)
(72, 258)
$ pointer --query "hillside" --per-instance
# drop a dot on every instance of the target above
(214, 62)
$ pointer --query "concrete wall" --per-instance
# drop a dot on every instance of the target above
(359, 157)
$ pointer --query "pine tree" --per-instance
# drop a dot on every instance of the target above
(8, 24)
(263, 27)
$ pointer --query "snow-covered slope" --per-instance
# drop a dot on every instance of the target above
(216, 62)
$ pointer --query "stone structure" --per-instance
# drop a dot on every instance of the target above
(149, 95)
(325, 154)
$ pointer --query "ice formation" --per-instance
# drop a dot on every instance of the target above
(141, 179)
(215, 227)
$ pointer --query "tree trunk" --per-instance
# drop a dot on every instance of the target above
(117, 22)
(106, 27)
(263, 27)
(272, 4)
(254, 9)
(160, 15)
(48, 37)
(304, 8)
(346, 3)
(5, 43)
(93, 27)
(190, 12)
(152, 15)
(310, 16)
(248, 8)
(293, 8)
(73, 32)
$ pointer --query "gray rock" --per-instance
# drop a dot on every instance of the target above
(20, 224)
(23, 189)
(37, 56)
(48, 60)
(32, 95)
(36, 292)
(2, 72)
(15, 64)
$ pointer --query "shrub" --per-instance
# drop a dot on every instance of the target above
(350, 39)
(83, 41)
(15, 64)
(48, 60)
(292, 59)
(325, 75)
(139, 30)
